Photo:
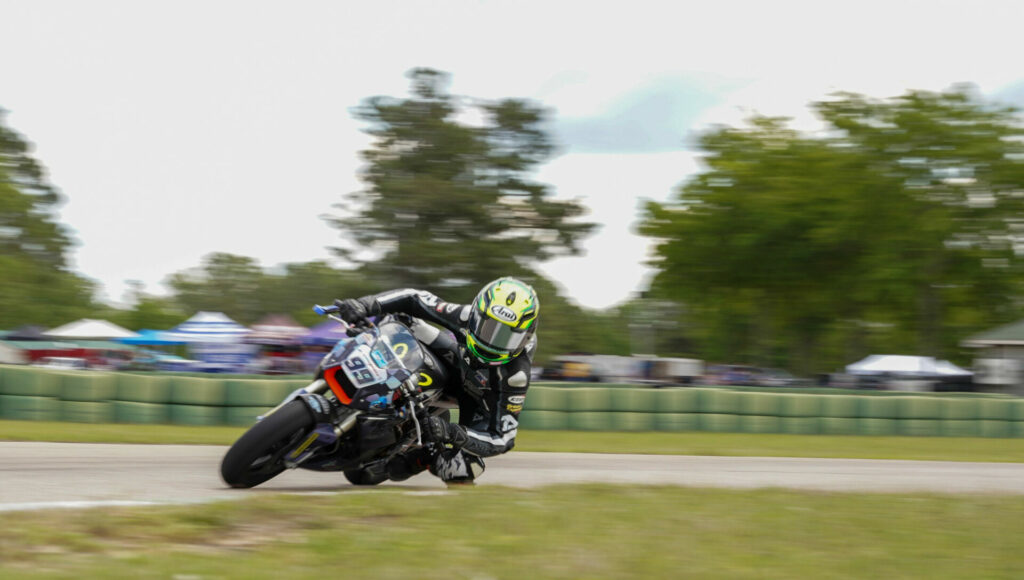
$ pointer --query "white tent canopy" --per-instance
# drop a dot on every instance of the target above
(88, 328)
(896, 364)
(209, 327)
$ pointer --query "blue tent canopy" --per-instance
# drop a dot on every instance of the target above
(152, 337)
(216, 341)
(209, 327)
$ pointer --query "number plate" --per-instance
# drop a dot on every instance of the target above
(360, 370)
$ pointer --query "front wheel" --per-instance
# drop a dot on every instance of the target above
(258, 455)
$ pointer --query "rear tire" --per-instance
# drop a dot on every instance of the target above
(257, 455)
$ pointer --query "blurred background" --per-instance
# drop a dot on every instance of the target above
(723, 193)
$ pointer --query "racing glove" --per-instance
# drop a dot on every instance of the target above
(438, 430)
(351, 310)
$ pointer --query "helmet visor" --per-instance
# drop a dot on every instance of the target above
(485, 354)
(496, 336)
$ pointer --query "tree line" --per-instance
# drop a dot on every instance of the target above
(894, 227)
(448, 206)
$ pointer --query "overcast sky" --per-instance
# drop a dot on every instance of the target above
(176, 129)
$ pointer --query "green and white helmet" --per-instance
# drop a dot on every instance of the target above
(502, 321)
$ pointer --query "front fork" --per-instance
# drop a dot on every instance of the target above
(317, 387)
(331, 423)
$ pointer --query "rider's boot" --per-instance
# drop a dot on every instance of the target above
(405, 465)
(457, 468)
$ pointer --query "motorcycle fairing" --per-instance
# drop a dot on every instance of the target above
(365, 372)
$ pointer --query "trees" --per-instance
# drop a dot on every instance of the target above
(449, 205)
(295, 287)
(147, 311)
(27, 204)
(954, 167)
(895, 229)
(224, 283)
(37, 286)
(239, 287)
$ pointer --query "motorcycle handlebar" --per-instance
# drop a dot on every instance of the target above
(322, 310)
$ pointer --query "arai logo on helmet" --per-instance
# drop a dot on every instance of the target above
(503, 313)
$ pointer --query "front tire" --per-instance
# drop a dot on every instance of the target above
(258, 455)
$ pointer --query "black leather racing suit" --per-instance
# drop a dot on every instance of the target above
(490, 397)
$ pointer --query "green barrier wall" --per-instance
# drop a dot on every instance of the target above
(760, 404)
(143, 389)
(87, 411)
(31, 408)
(30, 393)
(90, 387)
(583, 406)
(195, 391)
(29, 382)
(134, 412)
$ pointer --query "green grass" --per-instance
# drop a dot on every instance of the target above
(768, 445)
(116, 433)
(592, 531)
(727, 444)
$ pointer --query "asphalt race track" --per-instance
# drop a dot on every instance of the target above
(40, 475)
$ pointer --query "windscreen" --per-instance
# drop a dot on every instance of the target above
(402, 343)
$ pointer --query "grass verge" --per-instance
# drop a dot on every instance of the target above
(592, 531)
(725, 444)
(771, 445)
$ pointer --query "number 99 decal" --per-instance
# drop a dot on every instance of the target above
(359, 372)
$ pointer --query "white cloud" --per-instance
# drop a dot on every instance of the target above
(614, 187)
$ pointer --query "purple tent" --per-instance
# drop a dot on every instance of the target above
(327, 333)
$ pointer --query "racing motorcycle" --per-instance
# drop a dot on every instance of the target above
(364, 406)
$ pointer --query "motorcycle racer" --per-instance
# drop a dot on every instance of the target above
(491, 354)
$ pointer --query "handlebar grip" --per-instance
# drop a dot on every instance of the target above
(321, 310)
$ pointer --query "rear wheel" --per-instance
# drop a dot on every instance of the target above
(258, 455)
